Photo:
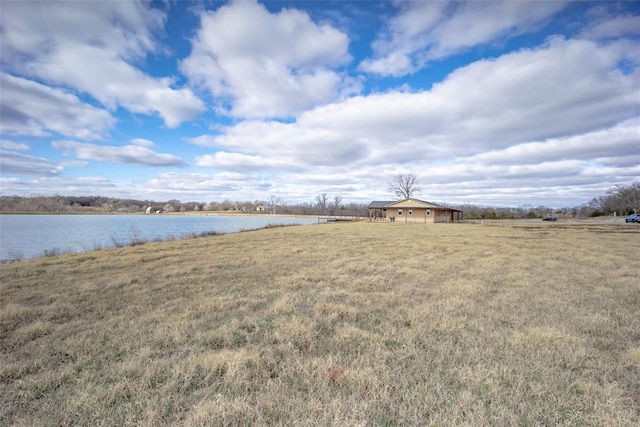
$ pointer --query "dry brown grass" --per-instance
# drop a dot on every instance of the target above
(337, 324)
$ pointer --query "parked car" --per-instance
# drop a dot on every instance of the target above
(549, 218)
(633, 218)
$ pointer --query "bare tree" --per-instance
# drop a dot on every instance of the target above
(322, 200)
(337, 202)
(404, 186)
(623, 199)
(273, 202)
(174, 206)
(107, 207)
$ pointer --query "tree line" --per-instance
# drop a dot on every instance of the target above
(322, 205)
(620, 200)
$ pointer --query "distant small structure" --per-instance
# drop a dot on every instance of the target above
(152, 210)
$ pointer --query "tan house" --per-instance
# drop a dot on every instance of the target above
(413, 210)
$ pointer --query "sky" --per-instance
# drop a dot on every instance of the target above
(493, 103)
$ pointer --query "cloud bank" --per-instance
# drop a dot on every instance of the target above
(495, 102)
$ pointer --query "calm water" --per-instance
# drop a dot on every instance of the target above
(31, 236)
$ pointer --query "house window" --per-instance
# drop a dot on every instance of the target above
(399, 212)
(410, 211)
(428, 212)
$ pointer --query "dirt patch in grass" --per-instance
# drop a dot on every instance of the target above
(334, 324)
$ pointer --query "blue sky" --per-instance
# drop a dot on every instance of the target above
(500, 103)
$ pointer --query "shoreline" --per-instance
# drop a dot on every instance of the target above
(134, 231)
(191, 213)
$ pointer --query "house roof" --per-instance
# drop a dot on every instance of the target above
(379, 204)
(409, 203)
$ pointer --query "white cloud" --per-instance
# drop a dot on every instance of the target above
(466, 169)
(19, 164)
(620, 161)
(622, 139)
(297, 144)
(394, 64)
(606, 24)
(426, 31)
(141, 142)
(241, 162)
(264, 64)
(93, 47)
(128, 154)
(29, 108)
(10, 145)
(488, 105)
(237, 186)
(493, 124)
(62, 185)
(548, 172)
(205, 187)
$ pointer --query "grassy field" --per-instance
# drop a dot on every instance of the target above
(335, 324)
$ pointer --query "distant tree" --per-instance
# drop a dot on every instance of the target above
(623, 199)
(273, 203)
(488, 214)
(175, 205)
(107, 207)
(306, 208)
(321, 201)
(355, 208)
(227, 205)
(337, 203)
(404, 186)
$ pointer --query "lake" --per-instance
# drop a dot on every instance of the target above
(31, 236)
